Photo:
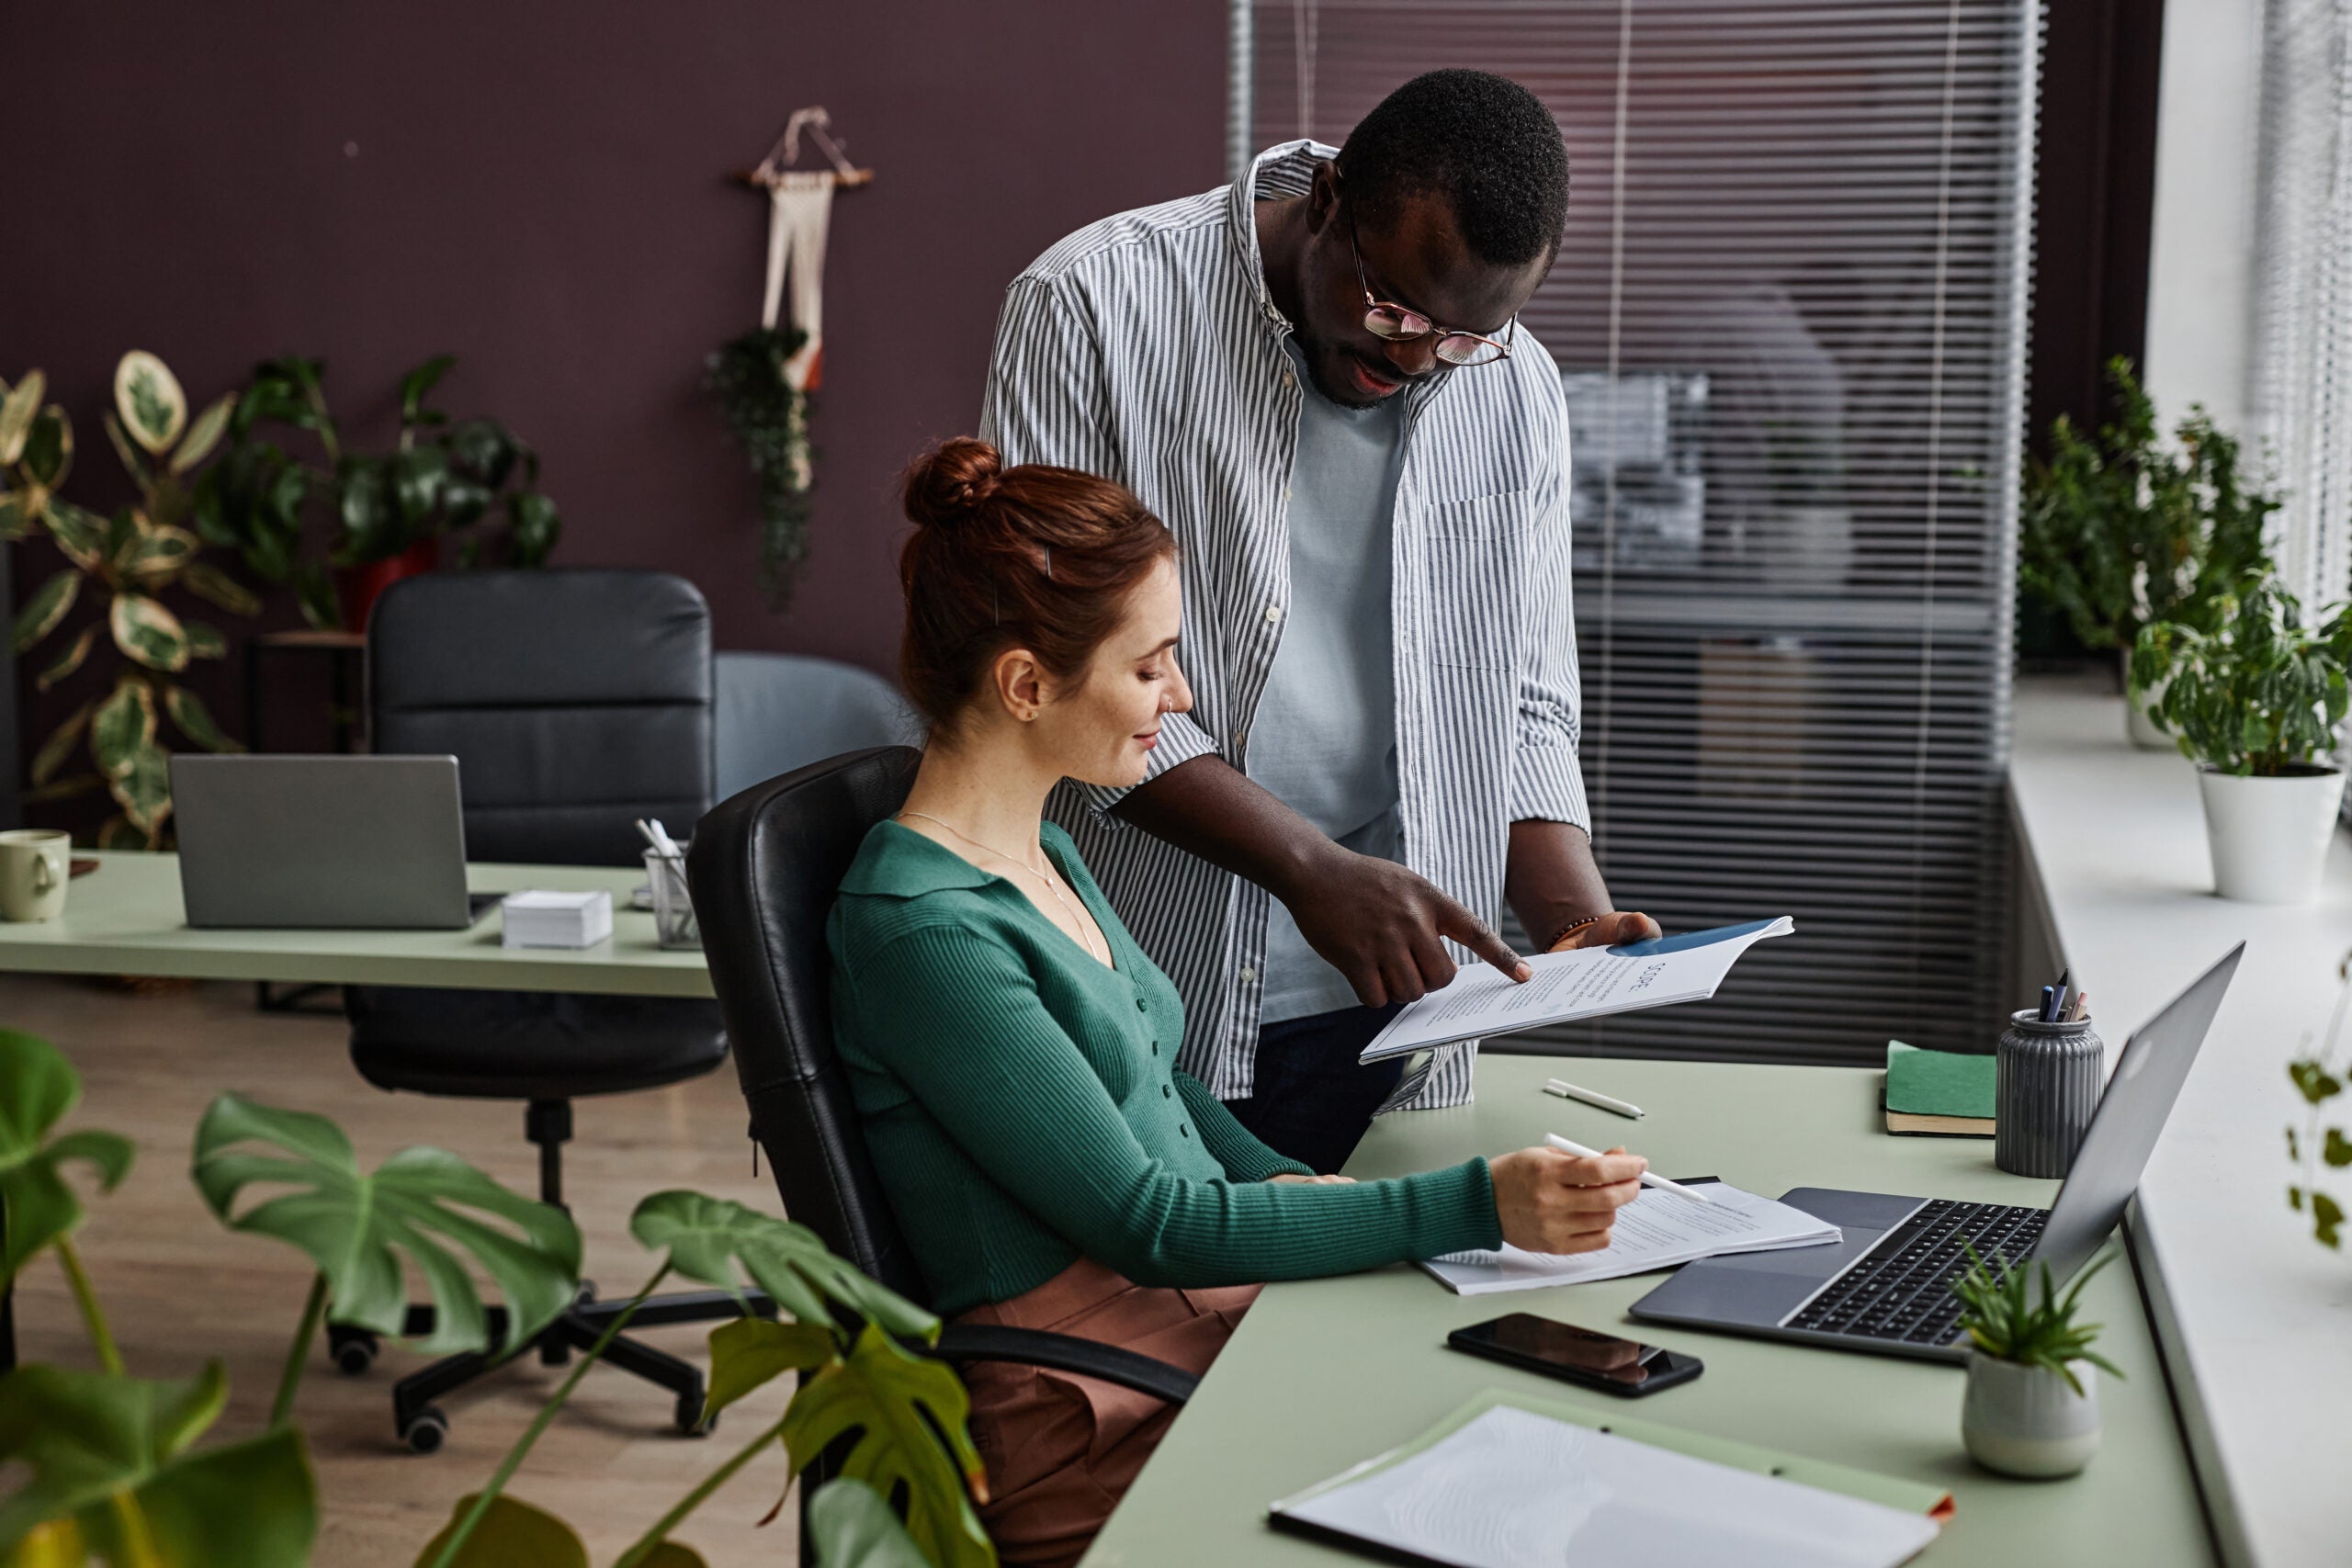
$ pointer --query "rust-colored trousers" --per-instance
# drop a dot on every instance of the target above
(1062, 1450)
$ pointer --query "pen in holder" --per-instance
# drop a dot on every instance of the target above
(2048, 1078)
(674, 908)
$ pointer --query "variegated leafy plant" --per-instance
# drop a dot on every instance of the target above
(134, 559)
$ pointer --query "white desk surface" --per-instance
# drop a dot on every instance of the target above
(2255, 1317)
(126, 919)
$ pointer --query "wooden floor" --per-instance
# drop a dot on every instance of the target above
(178, 1289)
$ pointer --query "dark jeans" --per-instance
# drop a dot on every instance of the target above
(1312, 1101)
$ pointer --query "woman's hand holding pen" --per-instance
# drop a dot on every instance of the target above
(1549, 1201)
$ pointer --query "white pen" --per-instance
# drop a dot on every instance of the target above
(1570, 1147)
(1567, 1090)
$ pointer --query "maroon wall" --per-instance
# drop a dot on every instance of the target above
(538, 187)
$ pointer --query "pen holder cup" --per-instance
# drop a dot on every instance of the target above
(2048, 1079)
(674, 908)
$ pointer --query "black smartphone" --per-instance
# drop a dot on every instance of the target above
(1581, 1356)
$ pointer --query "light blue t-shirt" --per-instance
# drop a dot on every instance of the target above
(1324, 740)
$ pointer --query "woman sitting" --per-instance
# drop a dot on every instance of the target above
(1013, 1053)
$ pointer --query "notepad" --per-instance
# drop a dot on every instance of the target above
(1657, 1230)
(541, 918)
(1942, 1092)
(1513, 1482)
(1563, 986)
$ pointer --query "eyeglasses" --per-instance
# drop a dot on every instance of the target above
(1384, 320)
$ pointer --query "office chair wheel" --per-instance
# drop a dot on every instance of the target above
(689, 1417)
(353, 1350)
(425, 1431)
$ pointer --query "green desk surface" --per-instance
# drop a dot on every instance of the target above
(1325, 1372)
(126, 919)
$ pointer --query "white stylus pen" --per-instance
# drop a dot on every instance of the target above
(1570, 1147)
(1567, 1090)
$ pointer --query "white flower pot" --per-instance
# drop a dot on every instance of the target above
(2270, 836)
(2025, 1421)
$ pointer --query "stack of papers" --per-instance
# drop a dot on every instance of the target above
(1657, 1230)
(558, 919)
(1499, 1485)
(1584, 983)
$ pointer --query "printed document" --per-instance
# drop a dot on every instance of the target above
(1582, 983)
(1657, 1230)
(1515, 1489)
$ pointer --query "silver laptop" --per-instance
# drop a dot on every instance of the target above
(360, 843)
(1886, 1287)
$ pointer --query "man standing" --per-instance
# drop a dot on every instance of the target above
(1316, 377)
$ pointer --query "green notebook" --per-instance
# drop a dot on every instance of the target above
(1939, 1091)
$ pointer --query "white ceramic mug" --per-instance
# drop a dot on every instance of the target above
(34, 864)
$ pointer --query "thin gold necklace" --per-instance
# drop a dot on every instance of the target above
(1084, 938)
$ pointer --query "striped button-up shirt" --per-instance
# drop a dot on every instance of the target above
(1145, 348)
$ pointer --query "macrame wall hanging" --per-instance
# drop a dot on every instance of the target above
(763, 379)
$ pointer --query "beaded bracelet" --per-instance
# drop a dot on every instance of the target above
(1569, 930)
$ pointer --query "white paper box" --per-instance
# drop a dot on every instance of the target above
(557, 919)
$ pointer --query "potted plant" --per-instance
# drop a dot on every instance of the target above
(2031, 1408)
(2127, 528)
(389, 510)
(140, 646)
(2255, 696)
(110, 1460)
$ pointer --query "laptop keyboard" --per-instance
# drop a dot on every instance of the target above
(1901, 1289)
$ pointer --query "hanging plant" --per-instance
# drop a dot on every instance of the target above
(770, 416)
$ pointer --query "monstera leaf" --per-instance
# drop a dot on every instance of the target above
(112, 1474)
(711, 1238)
(747, 1353)
(356, 1226)
(38, 1087)
(851, 1526)
(148, 399)
(899, 1404)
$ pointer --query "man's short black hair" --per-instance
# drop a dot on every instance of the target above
(1484, 143)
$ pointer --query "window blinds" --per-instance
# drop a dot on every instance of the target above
(1789, 315)
(2302, 394)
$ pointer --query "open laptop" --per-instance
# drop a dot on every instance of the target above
(365, 844)
(1886, 1287)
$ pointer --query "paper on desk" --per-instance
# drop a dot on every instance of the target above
(1657, 1230)
(1583, 983)
(1514, 1489)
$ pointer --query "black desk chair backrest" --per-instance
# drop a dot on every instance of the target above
(764, 868)
(575, 701)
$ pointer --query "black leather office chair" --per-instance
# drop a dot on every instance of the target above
(576, 702)
(763, 868)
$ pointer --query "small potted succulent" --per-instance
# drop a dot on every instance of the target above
(2032, 1403)
(2256, 696)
